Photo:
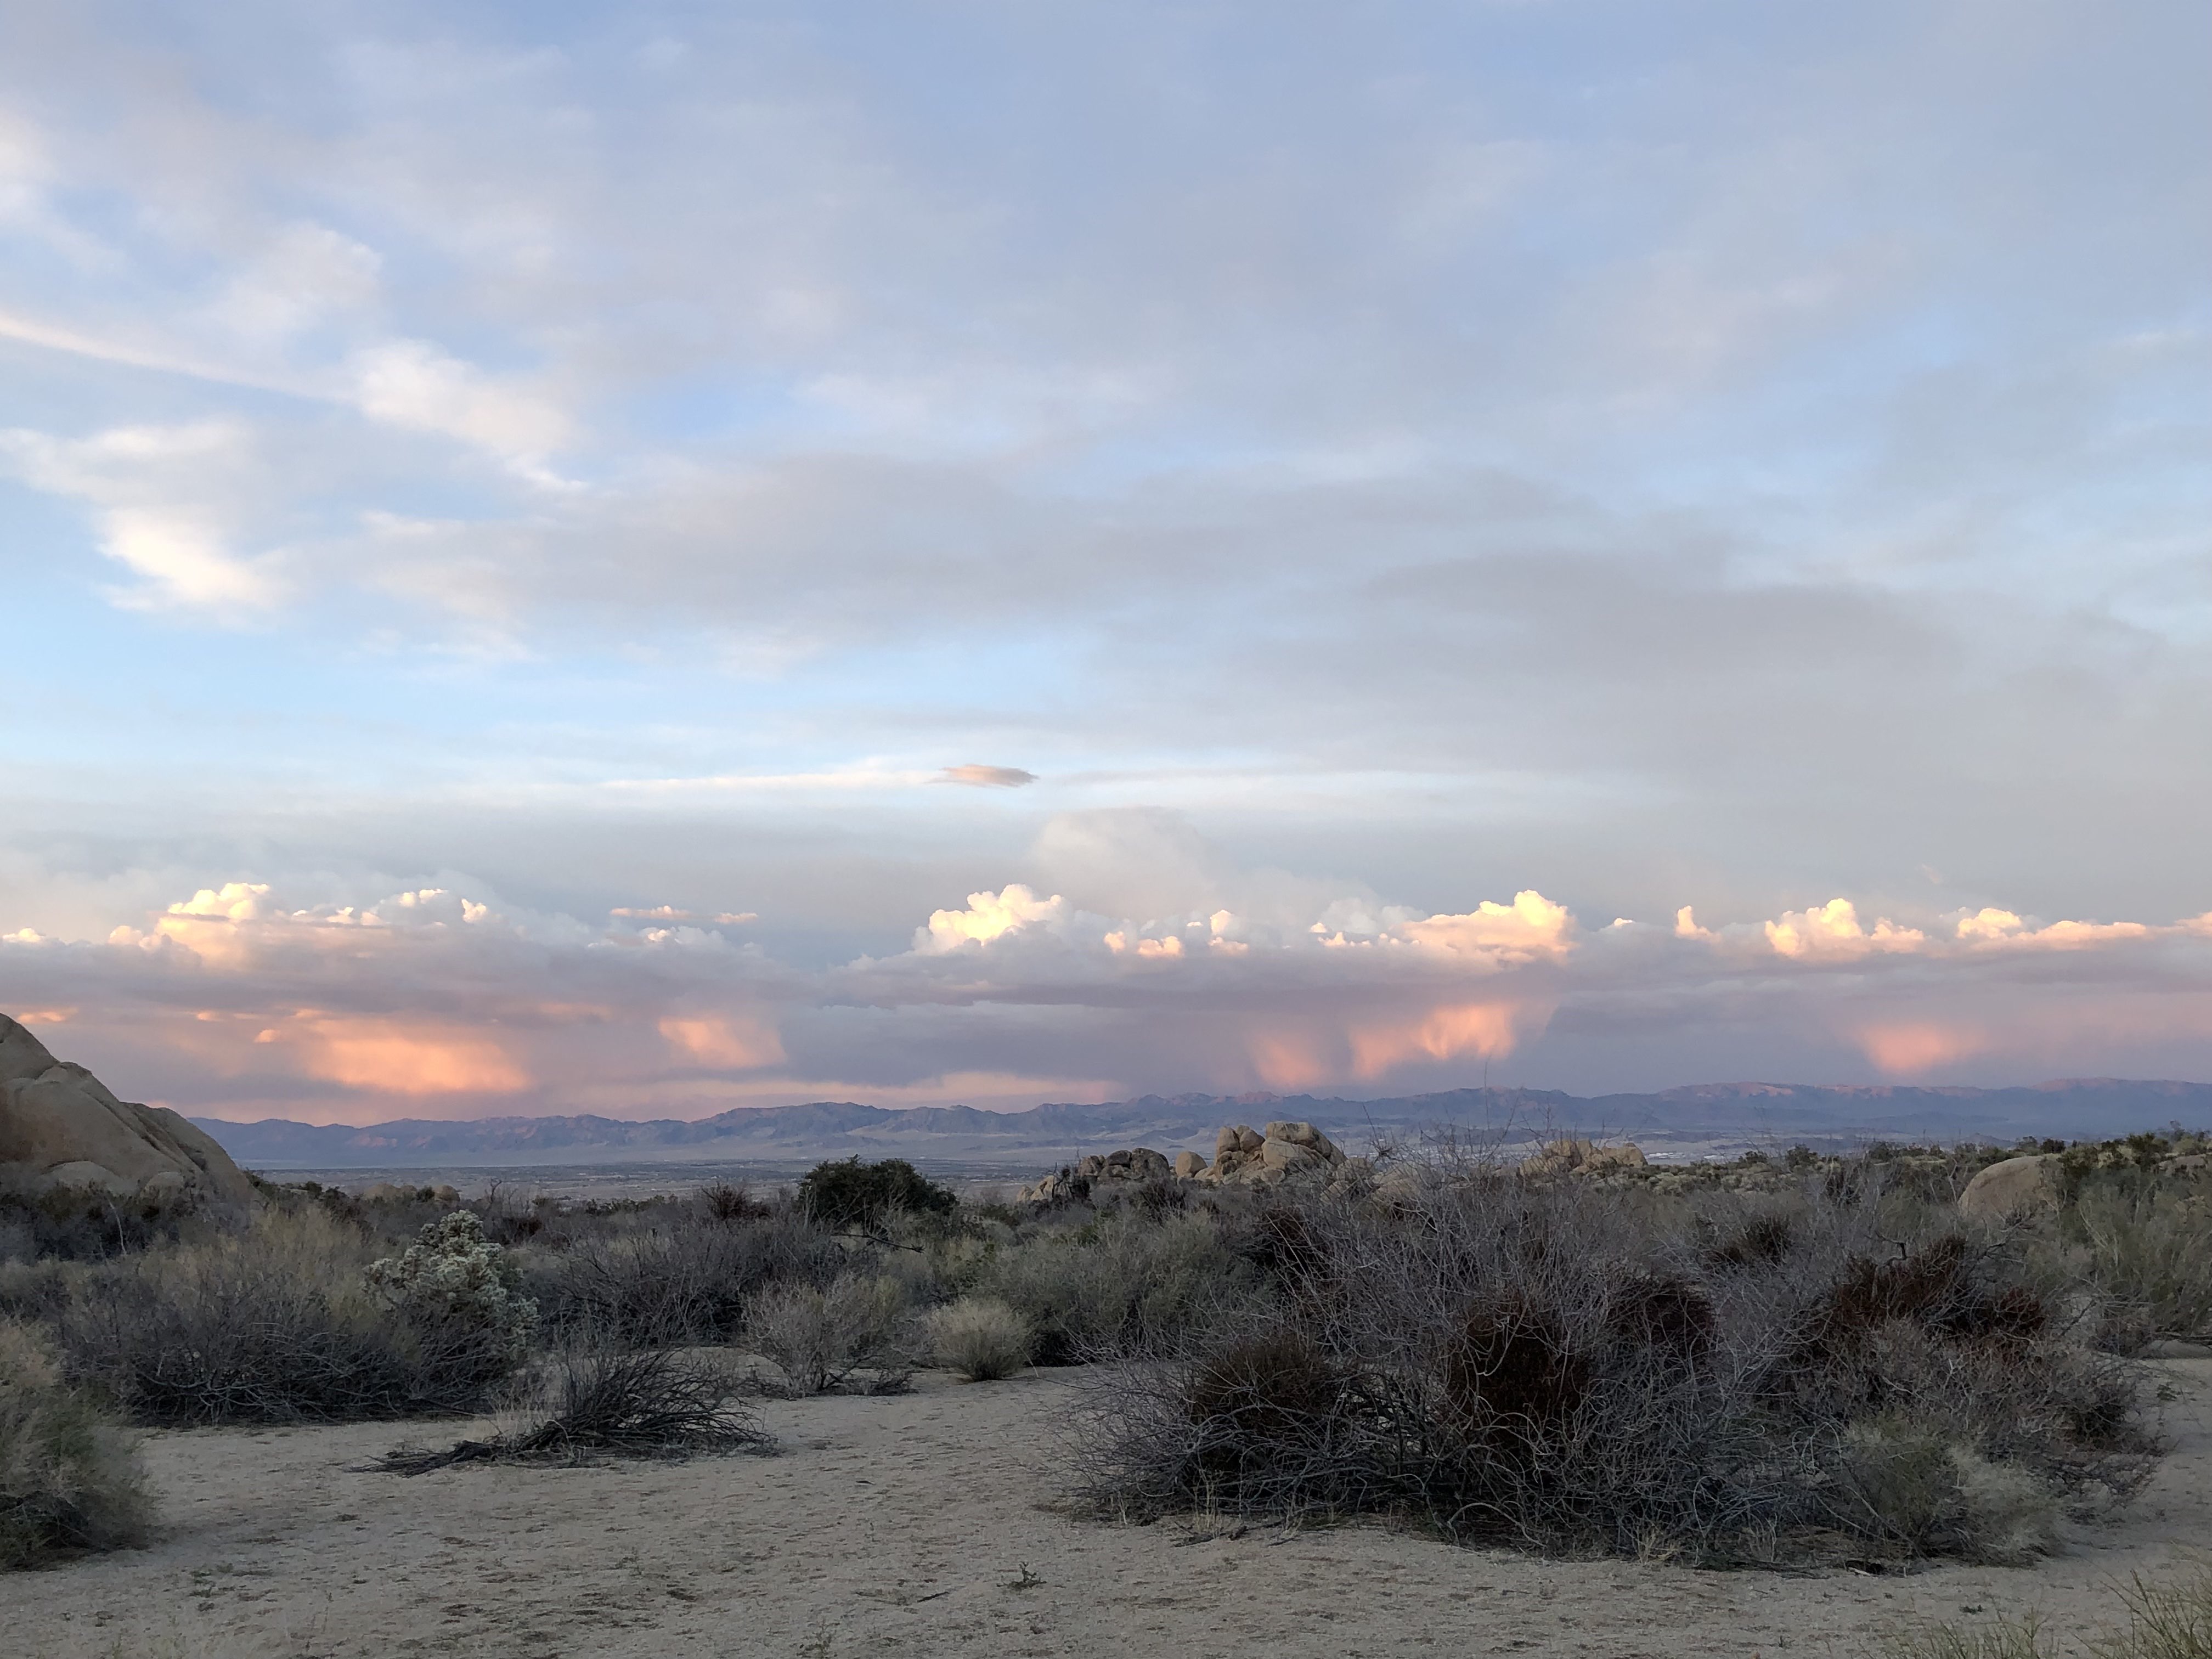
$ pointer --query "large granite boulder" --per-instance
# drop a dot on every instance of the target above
(2014, 1187)
(60, 1127)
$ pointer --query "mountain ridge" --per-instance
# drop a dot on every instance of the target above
(1727, 1112)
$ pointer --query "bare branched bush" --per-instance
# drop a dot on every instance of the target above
(70, 1478)
(279, 1324)
(1560, 1365)
(981, 1339)
(824, 1337)
(687, 1279)
(591, 1397)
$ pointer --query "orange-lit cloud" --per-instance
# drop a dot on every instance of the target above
(733, 1042)
(1490, 1029)
(1288, 1059)
(382, 1056)
(1913, 1048)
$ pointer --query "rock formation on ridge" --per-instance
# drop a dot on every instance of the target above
(61, 1127)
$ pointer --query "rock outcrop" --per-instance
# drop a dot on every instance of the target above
(61, 1127)
(1582, 1158)
(2013, 1186)
(1242, 1156)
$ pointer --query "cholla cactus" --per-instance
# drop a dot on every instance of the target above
(453, 1272)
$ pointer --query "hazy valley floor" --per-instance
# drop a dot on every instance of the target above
(903, 1526)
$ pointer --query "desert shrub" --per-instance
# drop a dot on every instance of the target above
(852, 1192)
(591, 1396)
(452, 1275)
(726, 1201)
(1120, 1283)
(981, 1339)
(1920, 1489)
(70, 1478)
(282, 1323)
(820, 1337)
(1566, 1366)
(2144, 1246)
(82, 1225)
(688, 1279)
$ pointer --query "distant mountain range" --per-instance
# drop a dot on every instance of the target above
(1707, 1117)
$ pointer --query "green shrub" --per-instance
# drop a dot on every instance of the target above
(69, 1478)
(852, 1193)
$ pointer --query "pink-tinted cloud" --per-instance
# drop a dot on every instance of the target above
(240, 1000)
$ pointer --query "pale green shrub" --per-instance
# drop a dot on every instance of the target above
(981, 1338)
(453, 1273)
(1930, 1493)
(70, 1478)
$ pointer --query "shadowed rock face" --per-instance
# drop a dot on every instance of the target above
(60, 1127)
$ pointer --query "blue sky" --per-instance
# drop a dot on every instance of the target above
(1364, 462)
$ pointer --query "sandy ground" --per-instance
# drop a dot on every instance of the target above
(921, 1525)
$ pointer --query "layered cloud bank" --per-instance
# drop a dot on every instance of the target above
(235, 1001)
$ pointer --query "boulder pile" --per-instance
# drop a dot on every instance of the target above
(1243, 1156)
(1246, 1157)
(1582, 1158)
(61, 1128)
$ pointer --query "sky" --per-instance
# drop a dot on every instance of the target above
(650, 558)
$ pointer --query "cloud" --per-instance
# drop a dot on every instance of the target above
(1622, 475)
(991, 916)
(409, 1058)
(1834, 930)
(241, 999)
(989, 777)
(732, 1042)
(169, 502)
(414, 384)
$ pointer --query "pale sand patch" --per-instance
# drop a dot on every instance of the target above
(898, 1526)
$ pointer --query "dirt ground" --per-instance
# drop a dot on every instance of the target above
(921, 1525)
